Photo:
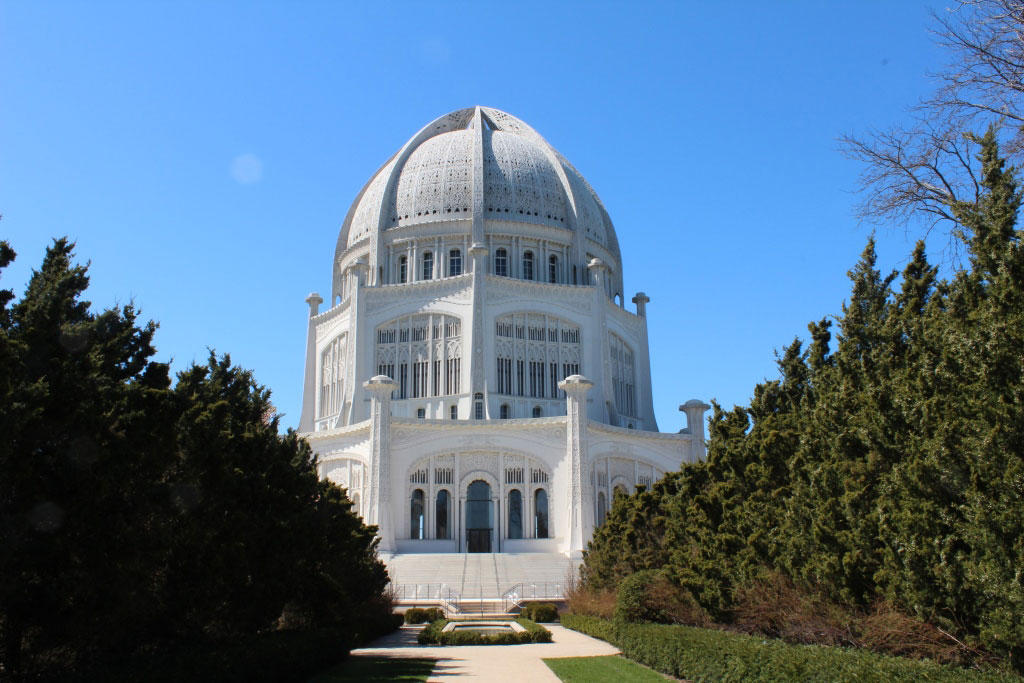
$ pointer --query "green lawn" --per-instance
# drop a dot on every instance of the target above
(377, 669)
(610, 669)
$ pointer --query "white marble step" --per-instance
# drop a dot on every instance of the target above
(481, 575)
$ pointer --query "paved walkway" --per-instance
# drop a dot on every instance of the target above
(490, 662)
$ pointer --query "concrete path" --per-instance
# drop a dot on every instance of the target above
(489, 662)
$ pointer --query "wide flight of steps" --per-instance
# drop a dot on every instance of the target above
(478, 583)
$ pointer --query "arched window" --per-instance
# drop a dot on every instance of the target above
(537, 412)
(355, 504)
(540, 513)
(403, 268)
(428, 265)
(454, 412)
(574, 276)
(416, 519)
(421, 413)
(501, 263)
(505, 412)
(528, 265)
(553, 269)
(441, 526)
(515, 514)
(478, 406)
(454, 262)
(602, 508)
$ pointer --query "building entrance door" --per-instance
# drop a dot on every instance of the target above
(479, 517)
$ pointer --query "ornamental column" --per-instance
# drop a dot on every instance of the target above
(694, 409)
(580, 493)
(645, 399)
(309, 388)
(378, 509)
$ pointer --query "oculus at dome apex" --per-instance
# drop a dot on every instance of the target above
(476, 382)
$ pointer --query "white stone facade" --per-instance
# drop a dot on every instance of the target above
(477, 383)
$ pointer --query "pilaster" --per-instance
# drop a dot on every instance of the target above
(378, 508)
(643, 369)
(309, 383)
(580, 493)
(598, 277)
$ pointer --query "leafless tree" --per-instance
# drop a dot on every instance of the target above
(912, 173)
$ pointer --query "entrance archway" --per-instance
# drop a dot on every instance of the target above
(479, 517)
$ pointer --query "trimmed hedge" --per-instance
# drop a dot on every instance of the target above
(708, 655)
(539, 612)
(433, 635)
(418, 615)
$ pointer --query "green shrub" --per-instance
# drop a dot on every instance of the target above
(592, 626)
(538, 634)
(651, 596)
(419, 615)
(707, 655)
(539, 611)
(431, 634)
(631, 603)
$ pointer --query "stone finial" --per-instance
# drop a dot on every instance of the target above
(576, 384)
(381, 385)
(314, 300)
(694, 409)
(641, 300)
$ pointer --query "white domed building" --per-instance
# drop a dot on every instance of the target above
(477, 383)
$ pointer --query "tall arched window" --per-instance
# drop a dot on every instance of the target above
(515, 514)
(355, 504)
(454, 412)
(454, 262)
(428, 265)
(540, 513)
(537, 412)
(528, 265)
(553, 269)
(602, 508)
(441, 527)
(416, 519)
(505, 412)
(403, 268)
(501, 263)
(478, 406)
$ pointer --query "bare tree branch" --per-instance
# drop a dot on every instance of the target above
(913, 173)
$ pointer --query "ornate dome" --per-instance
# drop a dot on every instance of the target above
(521, 177)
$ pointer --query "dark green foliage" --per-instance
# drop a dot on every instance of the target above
(432, 635)
(363, 669)
(265, 658)
(539, 612)
(631, 604)
(135, 515)
(418, 615)
(886, 464)
(706, 655)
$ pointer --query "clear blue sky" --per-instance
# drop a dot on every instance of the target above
(203, 155)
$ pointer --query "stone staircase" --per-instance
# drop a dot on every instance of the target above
(478, 584)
